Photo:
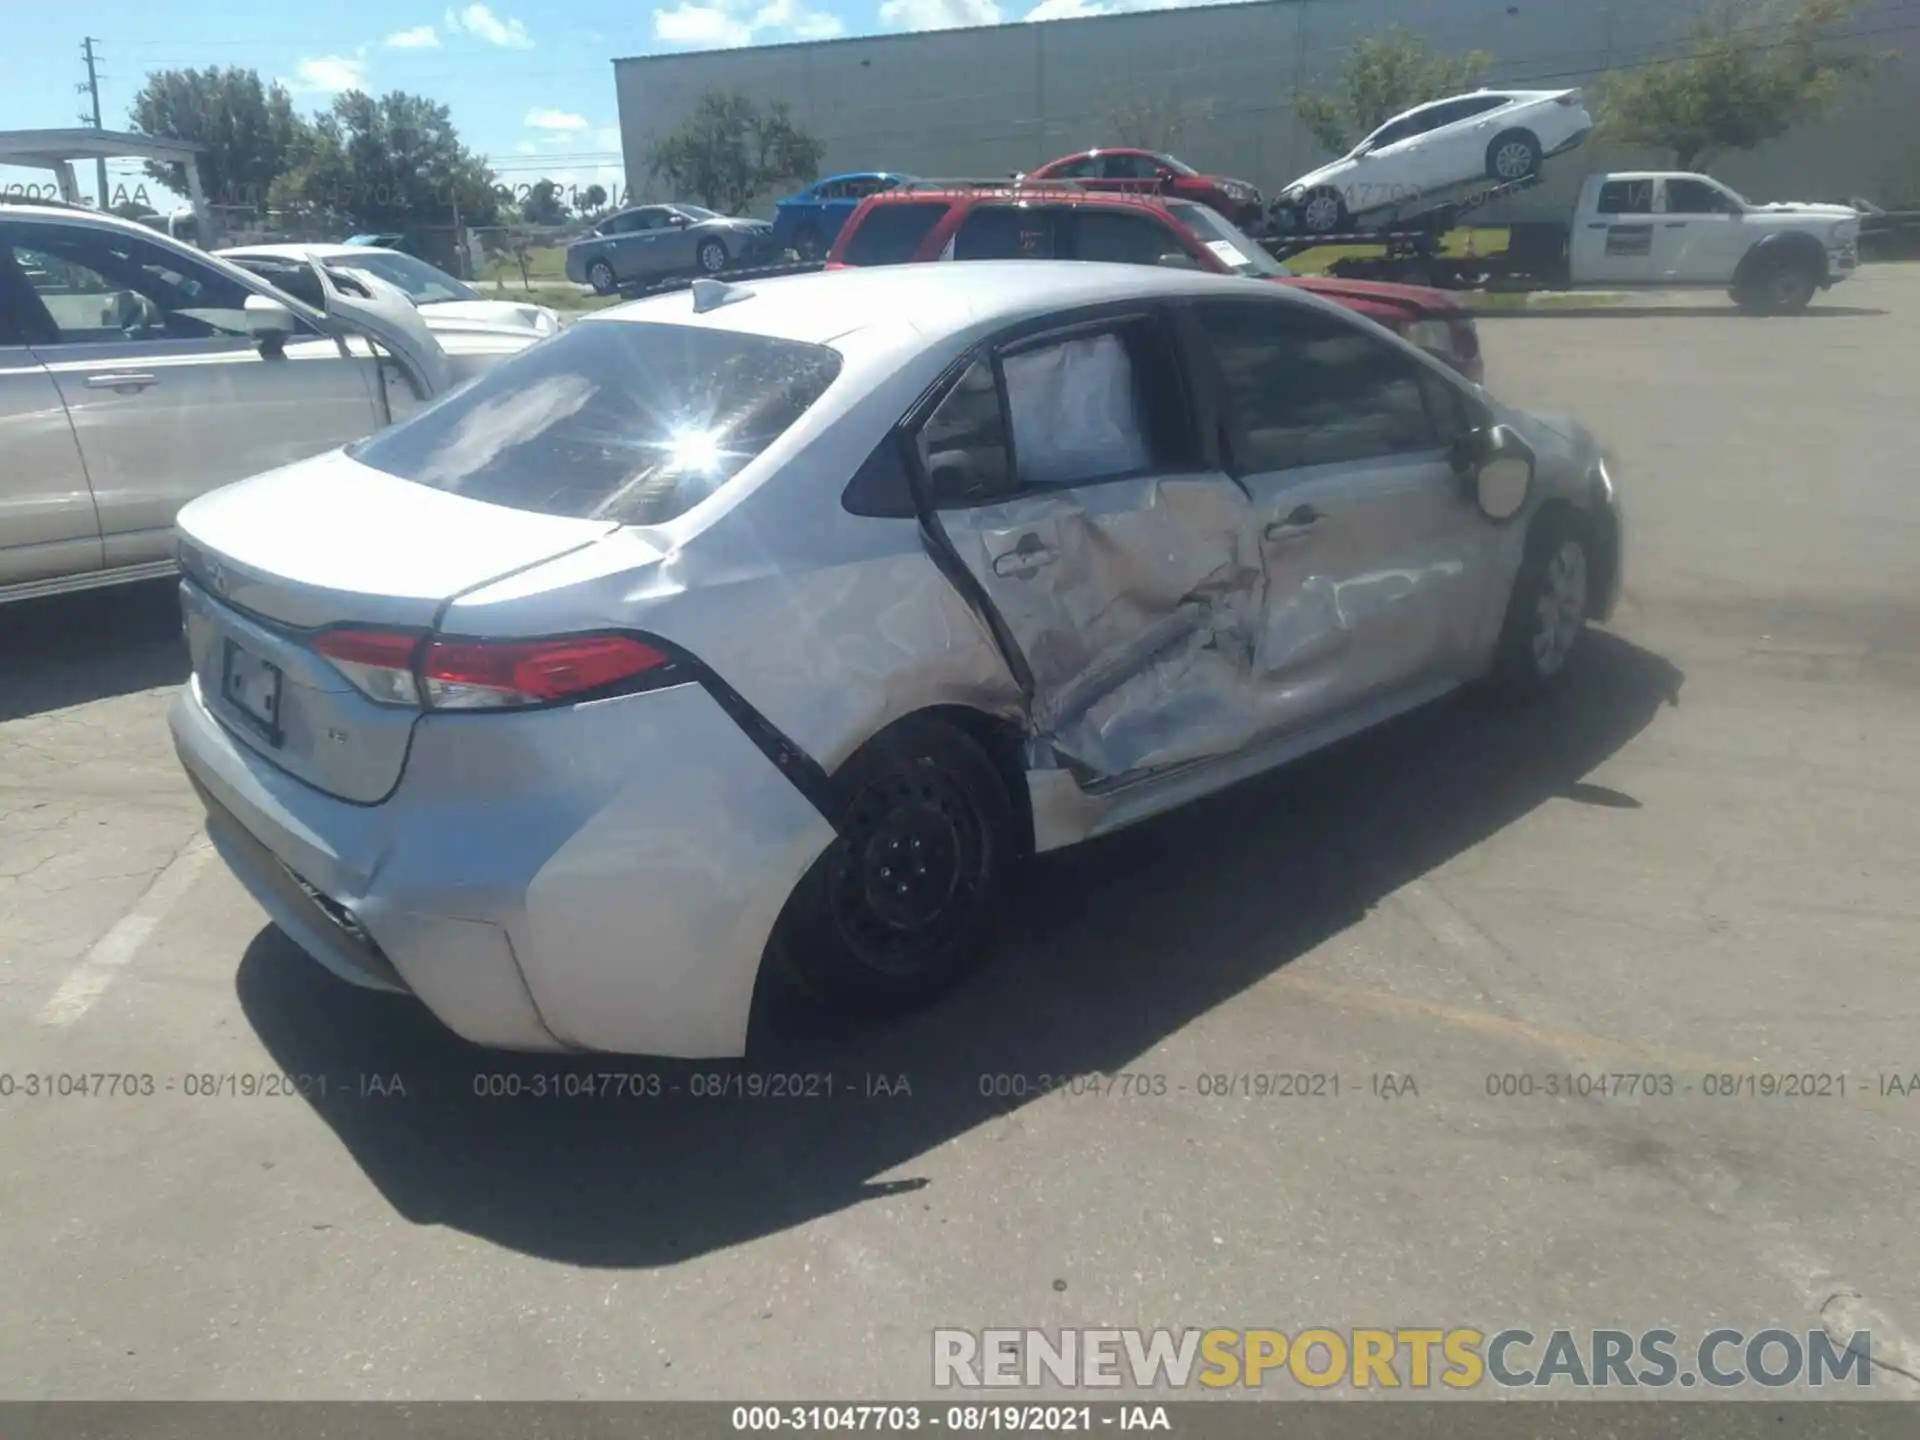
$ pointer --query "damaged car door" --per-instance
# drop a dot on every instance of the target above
(1072, 480)
(1374, 553)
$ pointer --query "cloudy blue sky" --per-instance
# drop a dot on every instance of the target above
(529, 81)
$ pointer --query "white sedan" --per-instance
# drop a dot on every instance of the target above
(445, 303)
(1495, 135)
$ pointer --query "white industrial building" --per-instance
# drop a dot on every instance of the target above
(1216, 84)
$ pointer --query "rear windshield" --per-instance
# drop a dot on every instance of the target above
(1239, 251)
(609, 420)
(892, 233)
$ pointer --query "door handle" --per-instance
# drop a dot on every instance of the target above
(1676, 224)
(1598, 225)
(1025, 558)
(1303, 520)
(121, 382)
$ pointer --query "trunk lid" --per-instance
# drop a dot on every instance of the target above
(325, 542)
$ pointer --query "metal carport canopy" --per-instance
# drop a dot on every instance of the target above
(56, 150)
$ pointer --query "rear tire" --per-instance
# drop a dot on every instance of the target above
(899, 907)
(1547, 614)
(1513, 155)
(1323, 212)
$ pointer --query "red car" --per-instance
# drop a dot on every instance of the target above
(1037, 222)
(1146, 172)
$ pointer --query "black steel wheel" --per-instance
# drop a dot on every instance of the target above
(899, 906)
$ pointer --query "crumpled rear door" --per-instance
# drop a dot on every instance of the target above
(1134, 601)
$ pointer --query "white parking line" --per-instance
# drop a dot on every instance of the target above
(113, 951)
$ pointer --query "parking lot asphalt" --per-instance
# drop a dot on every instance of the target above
(1700, 860)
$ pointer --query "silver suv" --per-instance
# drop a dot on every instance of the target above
(137, 372)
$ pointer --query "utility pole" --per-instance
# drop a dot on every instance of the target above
(92, 89)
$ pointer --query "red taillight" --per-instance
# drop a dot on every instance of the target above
(481, 674)
(397, 668)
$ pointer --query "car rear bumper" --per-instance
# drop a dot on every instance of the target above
(603, 877)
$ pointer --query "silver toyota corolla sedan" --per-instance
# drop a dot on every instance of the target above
(762, 627)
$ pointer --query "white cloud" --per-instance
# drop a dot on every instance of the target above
(420, 37)
(481, 22)
(818, 25)
(700, 25)
(329, 75)
(1066, 9)
(939, 14)
(542, 118)
(526, 147)
(609, 138)
(725, 23)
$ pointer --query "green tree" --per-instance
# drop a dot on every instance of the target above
(394, 164)
(593, 199)
(729, 151)
(250, 130)
(544, 205)
(1149, 120)
(1751, 70)
(1384, 75)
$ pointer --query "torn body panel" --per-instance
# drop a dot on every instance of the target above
(1135, 604)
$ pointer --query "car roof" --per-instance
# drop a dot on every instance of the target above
(861, 175)
(1039, 192)
(937, 301)
(297, 251)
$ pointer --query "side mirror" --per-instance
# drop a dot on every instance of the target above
(1501, 466)
(679, 222)
(270, 323)
(1178, 260)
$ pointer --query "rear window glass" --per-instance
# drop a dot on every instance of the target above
(1006, 232)
(891, 233)
(610, 420)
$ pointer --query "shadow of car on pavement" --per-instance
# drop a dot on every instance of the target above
(1106, 950)
(71, 649)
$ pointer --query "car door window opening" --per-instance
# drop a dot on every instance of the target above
(1092, 403)
(106, 287)
(1312, 390)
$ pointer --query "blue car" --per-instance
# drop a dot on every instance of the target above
(806, 223)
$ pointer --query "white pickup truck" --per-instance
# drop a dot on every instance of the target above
(1631, 229)
(1647, 228)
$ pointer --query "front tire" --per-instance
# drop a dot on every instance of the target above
(1513, 155)
(899, 907)
(711, 257)
(809, 244)
(1547, 615)
(600, 276)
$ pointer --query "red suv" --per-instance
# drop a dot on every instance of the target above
(1146, 172)
(1041, 222)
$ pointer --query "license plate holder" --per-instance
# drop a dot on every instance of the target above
(253, 687)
